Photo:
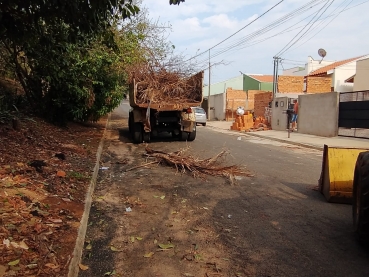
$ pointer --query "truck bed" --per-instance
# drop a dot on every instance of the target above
(196, 79)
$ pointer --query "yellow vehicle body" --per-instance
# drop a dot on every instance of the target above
(336, 179)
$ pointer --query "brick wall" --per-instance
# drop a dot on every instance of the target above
(318, 84)
(262, 100)
(295, 84)
(290, 84)
(235, 99)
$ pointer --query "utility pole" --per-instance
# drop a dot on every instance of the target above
(275, 75)
(208, 110)
(274, 68)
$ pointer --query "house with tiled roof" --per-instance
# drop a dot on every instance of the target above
(339, 73)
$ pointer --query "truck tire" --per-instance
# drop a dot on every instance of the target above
(137, 132)
(146, 137)
(360, 207)
(183, 136)
(130, 122)
(192, 136)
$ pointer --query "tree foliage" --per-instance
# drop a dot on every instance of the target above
(73, 57)
(62, 53)
(21, 19)
(175, 2)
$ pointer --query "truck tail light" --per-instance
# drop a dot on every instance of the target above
(189, 110)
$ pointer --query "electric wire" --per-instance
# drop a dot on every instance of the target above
(278, 22)
(335, 16)
(293, 41)
(238, 30)
(275, 23)
(267, 28)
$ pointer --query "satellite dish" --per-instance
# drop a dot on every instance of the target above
(322, 52)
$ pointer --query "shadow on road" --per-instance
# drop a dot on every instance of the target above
(125, 136)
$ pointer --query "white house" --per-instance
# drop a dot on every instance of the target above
(339, 72)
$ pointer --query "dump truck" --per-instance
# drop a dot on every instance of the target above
(150, 115)
(345, 179)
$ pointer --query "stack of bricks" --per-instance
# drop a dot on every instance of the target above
(243, 122)
(260, 121)
(262, 101)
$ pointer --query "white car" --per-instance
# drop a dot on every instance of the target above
(200, 115)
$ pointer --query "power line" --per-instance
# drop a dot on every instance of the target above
(247, 24)
(335, 16)
(277, 22)
(285, 30)
(238, 30)
(292, 42)
(269, 27)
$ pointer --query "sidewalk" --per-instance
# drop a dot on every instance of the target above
(304, 140)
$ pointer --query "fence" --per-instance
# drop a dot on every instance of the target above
(353, 119)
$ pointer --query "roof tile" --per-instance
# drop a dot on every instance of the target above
(323, 70)
(263, 78)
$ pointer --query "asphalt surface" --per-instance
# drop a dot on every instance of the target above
(281, 226)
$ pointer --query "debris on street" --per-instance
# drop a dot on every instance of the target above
(196, 166)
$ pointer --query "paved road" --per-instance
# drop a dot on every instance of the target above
(274, 224)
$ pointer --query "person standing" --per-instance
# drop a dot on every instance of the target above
(295, 114)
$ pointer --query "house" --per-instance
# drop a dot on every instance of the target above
(339, 72)
(243, 82)
(310, 66)
(338, 76)
(360, 79)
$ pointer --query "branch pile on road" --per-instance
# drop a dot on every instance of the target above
(163, 86)
(196, 166)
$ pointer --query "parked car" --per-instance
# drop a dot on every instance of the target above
(200, 115)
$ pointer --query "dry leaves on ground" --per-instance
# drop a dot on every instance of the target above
(44, 173)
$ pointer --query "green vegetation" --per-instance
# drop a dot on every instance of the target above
(70, 59)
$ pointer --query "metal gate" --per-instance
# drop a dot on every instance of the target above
(353, 119)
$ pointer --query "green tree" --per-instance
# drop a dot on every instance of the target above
(53, 48)
(73, 58)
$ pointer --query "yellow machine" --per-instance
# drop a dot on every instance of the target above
(345, 179)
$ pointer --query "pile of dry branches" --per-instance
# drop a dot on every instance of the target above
(161, 86)
(197, 167)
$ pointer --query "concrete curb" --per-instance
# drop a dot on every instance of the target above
(287, 141)
(73, 269)
(275, 139)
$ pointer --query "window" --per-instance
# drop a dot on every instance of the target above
(199, 110)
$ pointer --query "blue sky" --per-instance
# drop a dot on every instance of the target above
(341, 28)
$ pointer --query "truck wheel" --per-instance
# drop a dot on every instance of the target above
(192, 136)
(146, 137)
(183, 136)
(137, 132)
(360, 207)
(130, 122)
